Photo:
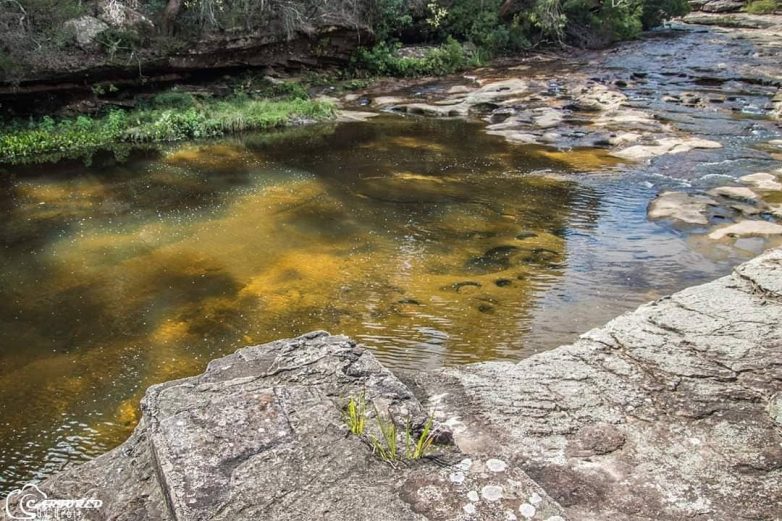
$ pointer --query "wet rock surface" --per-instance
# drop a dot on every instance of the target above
(669, 412)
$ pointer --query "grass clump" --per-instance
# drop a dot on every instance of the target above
(762, 6)
(386, 444)
(171, 116)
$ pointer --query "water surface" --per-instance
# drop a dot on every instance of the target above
(429, 241)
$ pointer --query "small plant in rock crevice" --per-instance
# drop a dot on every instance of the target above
(355, 415)
(386, 445)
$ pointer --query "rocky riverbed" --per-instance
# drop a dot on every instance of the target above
(673, 411)
(684, 102)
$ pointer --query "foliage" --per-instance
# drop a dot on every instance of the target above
(586, 23)
(385, 447)
(168, 117)
(391, 17)
(355, 415)
(116, 42)
(383, 60)
(479, 23)
(424, 442)
(762, 6)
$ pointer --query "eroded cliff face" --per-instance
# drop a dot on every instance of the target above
(669, 412)
(130, 42)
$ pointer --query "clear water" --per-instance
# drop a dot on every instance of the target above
(429, 241)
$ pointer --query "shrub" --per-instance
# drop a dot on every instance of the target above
(383, 60)
(762, 6)
(174, 99)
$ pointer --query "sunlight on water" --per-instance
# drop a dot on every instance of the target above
(429, 241)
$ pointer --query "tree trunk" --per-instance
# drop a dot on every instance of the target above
(170, 13)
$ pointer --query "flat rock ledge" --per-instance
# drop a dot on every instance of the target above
(673, 411)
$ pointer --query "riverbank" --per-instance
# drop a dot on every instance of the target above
(671, 411)
(168, 117)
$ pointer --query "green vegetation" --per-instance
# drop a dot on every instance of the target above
(386, 446)
(170, 116)
(762, 6)
(466, 33)
(425, 440)
(355, 415)
(383, 60)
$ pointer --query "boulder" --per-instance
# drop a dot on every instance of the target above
(681, 207)
(669, 412)
(121, 16)
(668, 145)
(85, 30)
(722, 6)
(762, 181)
(262, 435)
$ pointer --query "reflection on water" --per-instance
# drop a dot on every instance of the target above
(429, 241)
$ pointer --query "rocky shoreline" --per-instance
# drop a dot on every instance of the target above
(672, 411)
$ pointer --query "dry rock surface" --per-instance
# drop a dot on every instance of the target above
(673, 411)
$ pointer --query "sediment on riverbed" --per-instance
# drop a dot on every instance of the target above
(672, 411)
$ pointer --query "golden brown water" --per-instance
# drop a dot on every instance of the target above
(429, 241)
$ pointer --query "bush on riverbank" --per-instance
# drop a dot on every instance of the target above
(469, 32)
(170, 116)
(762, 6)
(383, 60)
(494, 27)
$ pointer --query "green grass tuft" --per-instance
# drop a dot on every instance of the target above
(386, 447)
(355, 415)
(424, 442)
